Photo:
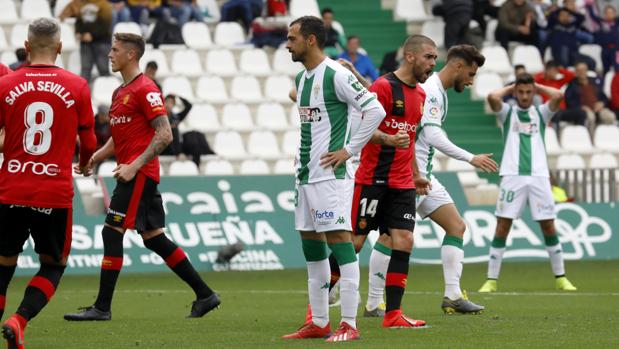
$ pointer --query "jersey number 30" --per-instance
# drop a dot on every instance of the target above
(38, 145)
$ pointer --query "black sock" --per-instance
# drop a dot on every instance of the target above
(40, 290)
(111, 265)
(6, 274)
(176, 259)
(335, 271)
(397, 273)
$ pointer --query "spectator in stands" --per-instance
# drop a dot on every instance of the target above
(182, 11)
(391, 61)
(614, 94)
(142, 10)
(607, 35)
(102, 125)
(457, 15)
(120, 12)
(516, 23)
(22, 59)
(554, 76)
(362, 63)
(335, 41)
(151, 72)
(481, 9)
(243, 10)
(585, 100)
(268, 33)
(565, 34)
(93, 29)
(175, 119)
(276, 8)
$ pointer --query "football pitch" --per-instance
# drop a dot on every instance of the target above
(258, 307)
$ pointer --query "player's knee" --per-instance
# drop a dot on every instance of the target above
(147, 235)
(49, 260)
(457, 229)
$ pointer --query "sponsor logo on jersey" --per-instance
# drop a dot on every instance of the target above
(118, 120)
(527, 128)
(399, 103)
(46, 211)
(400, 125)
(434, 111)
(154, 98)
(409, 216)
(361, 95)
(308, 114)
(433, 100)
(37, 168)
(340, 220)
(322, 217)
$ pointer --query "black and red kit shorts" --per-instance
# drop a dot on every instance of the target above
(383, 208)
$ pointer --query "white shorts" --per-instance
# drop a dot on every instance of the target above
(437, 197)
(516, 190)
(324, 206)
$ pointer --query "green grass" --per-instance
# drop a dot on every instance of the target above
(258, 307)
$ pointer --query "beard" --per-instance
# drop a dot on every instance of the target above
(298, 57)
(459, 87)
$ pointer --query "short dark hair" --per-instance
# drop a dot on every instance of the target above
(352, 37)
(312, 25)
(152, 65)
(581, 62)
(551, 64)
(134, 40)
(21, 54)
(469, 54)
(519, 66)
(524, 79)
(414, 42)
(326, 10)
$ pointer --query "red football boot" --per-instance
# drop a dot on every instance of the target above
(344, 333)
(13, 332)
(395, 319)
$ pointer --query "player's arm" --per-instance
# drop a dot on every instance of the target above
(348, 65)
(555, 96)
(495, 98)
(85, 132)
(398, 140)
(422, 184)
(1, 139)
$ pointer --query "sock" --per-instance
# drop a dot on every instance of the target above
(176, 259)
(111, 265)
(452, 255)
(379, 261)
(349, 281)
(553, 247)
(317, 280)
(6, 274)
(496, 257)
(395, 283)
(40, 290)
(335, 271)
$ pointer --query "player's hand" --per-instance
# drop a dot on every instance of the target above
(422, 185)
(346, 64)
(485, 163)
(86, 37)
(399, 140)
(86, 170)
(124, 173)
(335, 158)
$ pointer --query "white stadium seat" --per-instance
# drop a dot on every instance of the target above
(186, 63)
(552, 142)
(75, 65)
(254, 167)
(212, 89)
(603, 160)
(277, 88)
(229, 34)
(434, 30)
(570, 162)
(284, 166)
(246, 89)
(595, 52)
(300, 8)
(59, 6)
(218, 168)
(32, 9)
(103, 88)
(528, 56)
(254, 62)
(4, 45)
(8, 13)
(608, 80)
(290, 143)
(490, 30)
(178, 86)
(221, 63)
(606, 137)
(466, 172)
(202, 118)
(8, 57)
(485, 83)
(67, 36)
(575, 138)
(263, 144)
(282, 63)
(410, 10)
(271, 116)
(106, 169)
(197, 35)
(236, 116)
(127, 27)
(183, 168)
(229, 145)
(158, 57)
(497, 60)
(19, 34)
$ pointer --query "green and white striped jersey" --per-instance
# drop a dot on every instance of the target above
(524, 152)
(326, 97)
(434, 114)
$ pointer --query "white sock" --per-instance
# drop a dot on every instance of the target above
(556, 259)
(452, 257)
(319, 275)
(494, 263)
(349, 292)
(378, 272)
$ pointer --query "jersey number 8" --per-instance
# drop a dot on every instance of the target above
(34, 128)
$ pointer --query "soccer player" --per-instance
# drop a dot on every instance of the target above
(459, 71)
(524, 173)
(324, 185)
(43, 110)
(140, 132)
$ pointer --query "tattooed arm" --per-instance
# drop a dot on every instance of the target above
(161, 139)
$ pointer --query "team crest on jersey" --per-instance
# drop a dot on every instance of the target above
(126, 98)
(362, 223)
(433, 100)
(316, 90)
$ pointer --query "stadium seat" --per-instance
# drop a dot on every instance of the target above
(186, 63)
(212, 90)
(570, 162)
(254, 62)
(490, 30)
(606, 137)
(59, 6)
(202, 118)
(246, 89)
(277, 88)
(159, 57)
(127, 27)
(466, 173)
(218, 168)
(294, 118)
(528, 56)
(608, 79)
(236, 116)
(271, 116)
(4, 45)
(178, 86)
(183, 168)
(221, 63)
(575, 138)
(552, 142)
(485, 83)
(282, 63)
(603, 160)
(67, 36)
(19, 34)
(103, 88)
(290, 143)
(434, 30)
(106, 169)
(595, 52)
(8, 58)
(263, 145)
(197, 35)
(75, 65)
(8, 13)
(410, 10)
(284, 166)
(229, 145)
(254, 167)
(229, 34)
(32, 9)
(300, 8)
(497, 60)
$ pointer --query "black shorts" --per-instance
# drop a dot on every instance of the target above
(380, 207)
(50, 228)
(136, 205)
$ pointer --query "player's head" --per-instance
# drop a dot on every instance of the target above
(305, 34)
(464, 60)
(524, 90)
(420, 55)
(43, 39)
(126, 49)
